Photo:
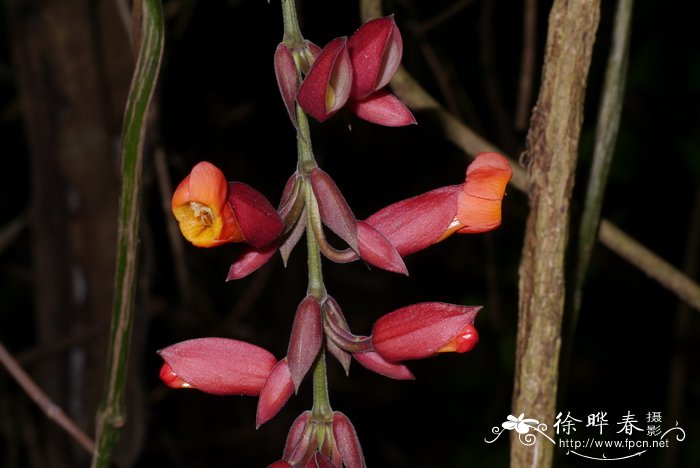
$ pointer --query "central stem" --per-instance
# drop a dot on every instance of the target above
(292, 34)
(321, 410)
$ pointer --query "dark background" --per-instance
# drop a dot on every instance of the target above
(218, 102)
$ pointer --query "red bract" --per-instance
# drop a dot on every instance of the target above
(474, 206)
(212, 212)
(382, 108)
(287, 79)
(275, 393)
(258, 219)
(217, 365)
(347, 442)
(334, 210)
(376, 363)
(422, 330)
(306, 339)
(326, 88)
(375, 51)
(321, 443)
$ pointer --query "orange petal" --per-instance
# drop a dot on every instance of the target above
(171, 379)
(464, 341)
(200, 206)
(205, 185)
(479, 203)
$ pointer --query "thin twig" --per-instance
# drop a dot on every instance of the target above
(609, 113)
(666, 274)
(177, 247)
(52, 411)
(10, 231)
(424, 27)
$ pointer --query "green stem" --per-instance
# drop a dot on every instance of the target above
(306, 161)
(321, 410)
(292, 33)
(111, 415)
(316, 287)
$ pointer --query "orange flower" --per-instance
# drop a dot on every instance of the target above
(200, 204)
(479, 201)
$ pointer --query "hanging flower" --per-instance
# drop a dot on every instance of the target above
(472, 207)
(352, 72)
(326, 88)
(212, 211)
(220, 366)
(423, 330)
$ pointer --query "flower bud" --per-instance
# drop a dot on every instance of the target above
(275, 393)
(306, 339)
(422, 330)
(375, 52)
(220, 366)
(326, 88)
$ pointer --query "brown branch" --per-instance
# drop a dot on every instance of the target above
(412, 93)
(552, 151)
(666, 274)
(51, 410)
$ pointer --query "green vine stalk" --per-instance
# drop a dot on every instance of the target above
(111, 413)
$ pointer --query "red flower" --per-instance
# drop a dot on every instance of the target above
(326, 88)
(472, 207)
(423, 330)
(404, 227)
(375, 52)
(353, 71)
(212, 211)
(220, 366)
